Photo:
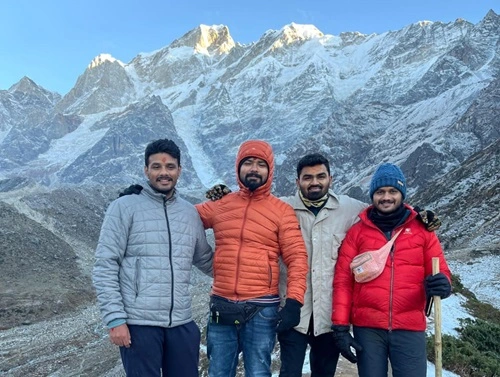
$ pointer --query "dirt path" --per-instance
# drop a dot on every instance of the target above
(72, 346)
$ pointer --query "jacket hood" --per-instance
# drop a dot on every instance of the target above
(259, 149)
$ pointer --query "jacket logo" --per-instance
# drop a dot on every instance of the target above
(407, 231)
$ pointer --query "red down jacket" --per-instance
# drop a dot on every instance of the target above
(396, 299)
(252, 230)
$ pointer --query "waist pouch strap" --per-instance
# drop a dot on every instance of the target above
(225, 312)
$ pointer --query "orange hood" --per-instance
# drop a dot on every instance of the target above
(259, 149)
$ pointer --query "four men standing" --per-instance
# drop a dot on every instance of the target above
(255, 233)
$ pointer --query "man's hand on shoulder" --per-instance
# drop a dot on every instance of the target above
(217, 192)
(428, 218)
(131, 190)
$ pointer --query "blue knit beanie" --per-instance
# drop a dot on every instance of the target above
(388, 175)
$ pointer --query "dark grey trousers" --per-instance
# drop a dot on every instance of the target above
(406, 351)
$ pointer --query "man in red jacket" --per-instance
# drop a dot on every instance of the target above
(387, 313)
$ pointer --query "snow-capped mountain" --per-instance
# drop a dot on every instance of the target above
(426, 97)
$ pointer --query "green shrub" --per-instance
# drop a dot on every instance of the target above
(476, 351)
(484, 336)
(474, 354)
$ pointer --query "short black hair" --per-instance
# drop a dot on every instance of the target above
(312, 159)
(162, 146)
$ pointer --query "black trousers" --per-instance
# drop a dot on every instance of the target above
(323, 356)
(406, 351)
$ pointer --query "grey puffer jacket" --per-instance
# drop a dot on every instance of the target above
(146, 249)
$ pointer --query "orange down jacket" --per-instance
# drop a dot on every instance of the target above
(396, 299)
(252, 230)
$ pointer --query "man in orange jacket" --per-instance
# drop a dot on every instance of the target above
(252, 229)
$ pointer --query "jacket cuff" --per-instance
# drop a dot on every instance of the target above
(116, 322)
(340, 328)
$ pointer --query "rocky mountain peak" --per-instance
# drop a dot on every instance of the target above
(209, 40)
(352, 37)
(491, 15)
(419, 29)
(423, 24)
(24, 85)
(296, 32)
(104, 84)
(490, 22)
(101, 59)
(22, 106)
(27, 87)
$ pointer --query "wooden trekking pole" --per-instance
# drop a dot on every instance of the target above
(438, 347)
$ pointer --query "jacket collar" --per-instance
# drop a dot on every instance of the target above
(365, 219)
(332, 202)
(149, 191)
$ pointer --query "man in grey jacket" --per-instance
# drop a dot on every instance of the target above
(146, 250)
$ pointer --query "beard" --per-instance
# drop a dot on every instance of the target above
(314, 195)
(253, 184)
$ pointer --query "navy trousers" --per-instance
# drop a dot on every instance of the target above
(161, 351)
(405, 349)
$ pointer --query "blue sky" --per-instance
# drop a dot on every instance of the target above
(53, 41)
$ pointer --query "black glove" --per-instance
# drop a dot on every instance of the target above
(437, 285)
(130, 190)
(289, 315)
(428, 218)
(344, 341)
(217, 192)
